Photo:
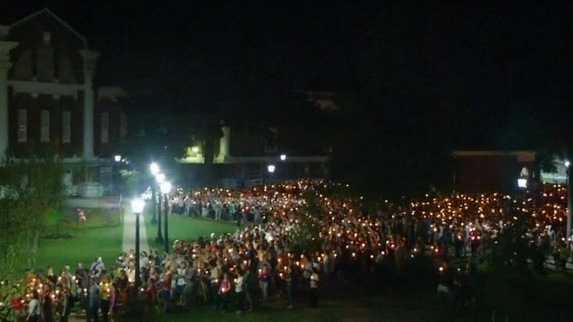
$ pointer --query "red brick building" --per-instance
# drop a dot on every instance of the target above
(48, 102)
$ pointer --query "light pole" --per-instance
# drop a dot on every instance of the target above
(116, 177)
(137, 205)
(159, 178)
(569, 197)
(154, 169)
(165, 190)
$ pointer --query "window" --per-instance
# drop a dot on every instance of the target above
(66, 127)
(45, 126)
(47, 36)
(104, 126)
(22, 126)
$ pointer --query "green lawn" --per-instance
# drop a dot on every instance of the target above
(100, 236)
(186, 228)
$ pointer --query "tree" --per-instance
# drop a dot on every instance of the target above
(30, 191)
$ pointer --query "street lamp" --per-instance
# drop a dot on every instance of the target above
(116, 177)
(137, 205)
(154, 168)
(271, 168)
(165, 190)
(283, 157)
(159, 178)
(569, 197)
(522, 183)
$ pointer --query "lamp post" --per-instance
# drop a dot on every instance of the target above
(154, 169)
(569, 197)
(165, 190)
(116, 176)
(137, 206)
(159, 178)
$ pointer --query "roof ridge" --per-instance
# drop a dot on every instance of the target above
(55, 16)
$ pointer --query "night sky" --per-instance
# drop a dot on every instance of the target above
(489, 65)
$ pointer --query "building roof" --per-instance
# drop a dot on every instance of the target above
(51, 14)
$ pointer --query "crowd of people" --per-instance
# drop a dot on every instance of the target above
(293, 240)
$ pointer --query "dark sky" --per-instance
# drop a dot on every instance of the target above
(467, 54)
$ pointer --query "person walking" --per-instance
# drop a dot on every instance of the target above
(248, 286)
(224, 292)
(105, 297)
(239, 291)
(288, 280)
(33, 309)
(94, 302)
(264, 278)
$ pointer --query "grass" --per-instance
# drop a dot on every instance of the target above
(418, 307)
(101, 236)
(187, 228)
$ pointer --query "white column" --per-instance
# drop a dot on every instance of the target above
(5, 64)
(224, 145)
(90, 61)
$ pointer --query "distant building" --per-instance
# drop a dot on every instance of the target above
(323, 100)
(48, 102)
(557, 175)
(244, 158)
(493, 170)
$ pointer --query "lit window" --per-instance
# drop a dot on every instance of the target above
(66, 127)
(22, 125)
(104, 126)
(47, 36)
(45, 126)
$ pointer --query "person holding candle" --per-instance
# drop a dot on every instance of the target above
(224, 292)
(314, 283)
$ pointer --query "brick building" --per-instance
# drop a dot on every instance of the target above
(48, 102)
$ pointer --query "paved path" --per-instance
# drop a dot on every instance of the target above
(129, 231)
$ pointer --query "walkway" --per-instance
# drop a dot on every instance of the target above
(129, 231)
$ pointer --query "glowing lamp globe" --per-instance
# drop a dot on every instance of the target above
(567, 163)
(154, 168)
(271, 168)
(522, 183)
(283, 157)
(137, 205)
(117, 158)
(160, 177)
